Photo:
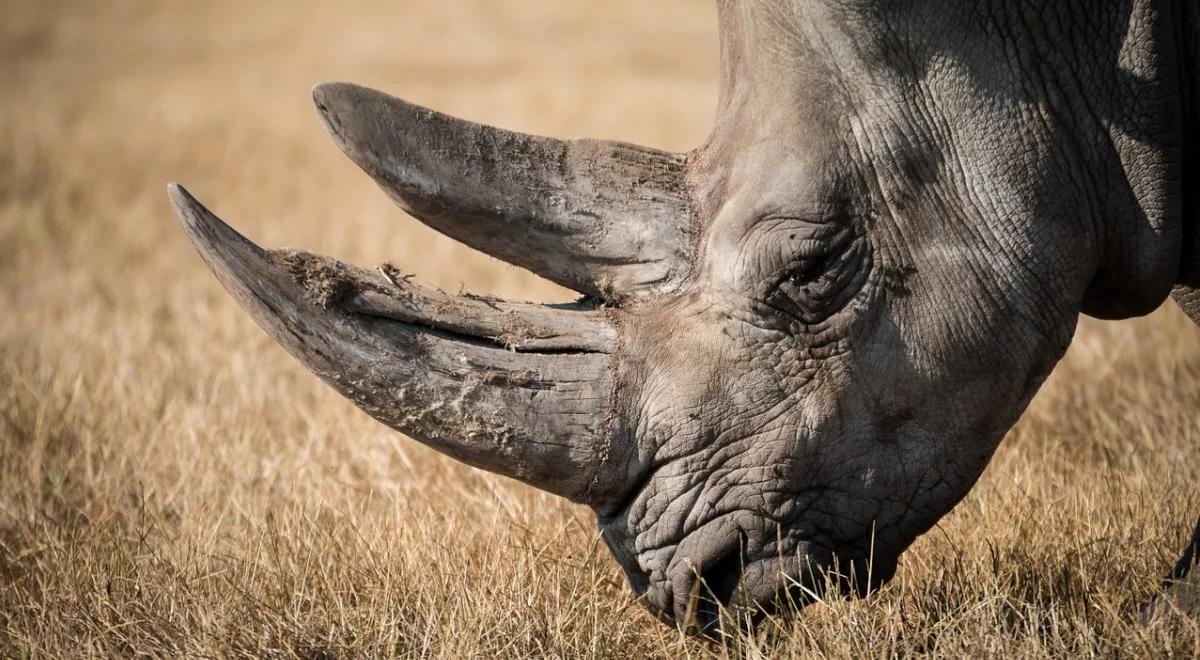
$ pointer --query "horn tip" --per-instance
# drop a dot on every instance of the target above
(332, 98)
(194, 215)
(215, 239)
(321, 92)
(328, 88)
(335, 102)
(190, 211)
(177, 192)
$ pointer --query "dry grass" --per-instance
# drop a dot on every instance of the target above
(171, 483)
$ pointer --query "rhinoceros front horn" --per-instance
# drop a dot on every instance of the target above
(517, 389)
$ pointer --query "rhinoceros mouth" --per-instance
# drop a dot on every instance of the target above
(741, 591)
(744, 565)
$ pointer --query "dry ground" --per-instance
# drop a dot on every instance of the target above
(171, 483)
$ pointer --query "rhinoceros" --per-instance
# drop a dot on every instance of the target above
(797, 346)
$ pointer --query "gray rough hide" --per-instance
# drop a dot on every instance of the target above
(802, 341)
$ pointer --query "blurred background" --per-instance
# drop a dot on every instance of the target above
(172, 483)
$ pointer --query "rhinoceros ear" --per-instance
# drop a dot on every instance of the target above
(1187, 290)
(1188, 299)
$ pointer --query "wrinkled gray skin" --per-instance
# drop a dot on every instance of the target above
(800, 343)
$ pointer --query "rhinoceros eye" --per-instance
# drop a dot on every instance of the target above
(809, 272)
(820, 277)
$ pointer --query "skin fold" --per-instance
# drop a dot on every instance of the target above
(799, 344)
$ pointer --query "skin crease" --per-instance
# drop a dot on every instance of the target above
(982, 187)
(870, 267)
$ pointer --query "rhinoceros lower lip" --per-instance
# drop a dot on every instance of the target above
(515, 388)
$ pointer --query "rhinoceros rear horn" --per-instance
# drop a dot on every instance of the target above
(607, 219)
(515, 388)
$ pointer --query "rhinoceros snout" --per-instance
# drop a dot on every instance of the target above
(730, 584)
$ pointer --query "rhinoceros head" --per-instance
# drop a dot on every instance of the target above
(799, 344)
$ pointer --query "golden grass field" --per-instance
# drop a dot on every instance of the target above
(172, 483)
